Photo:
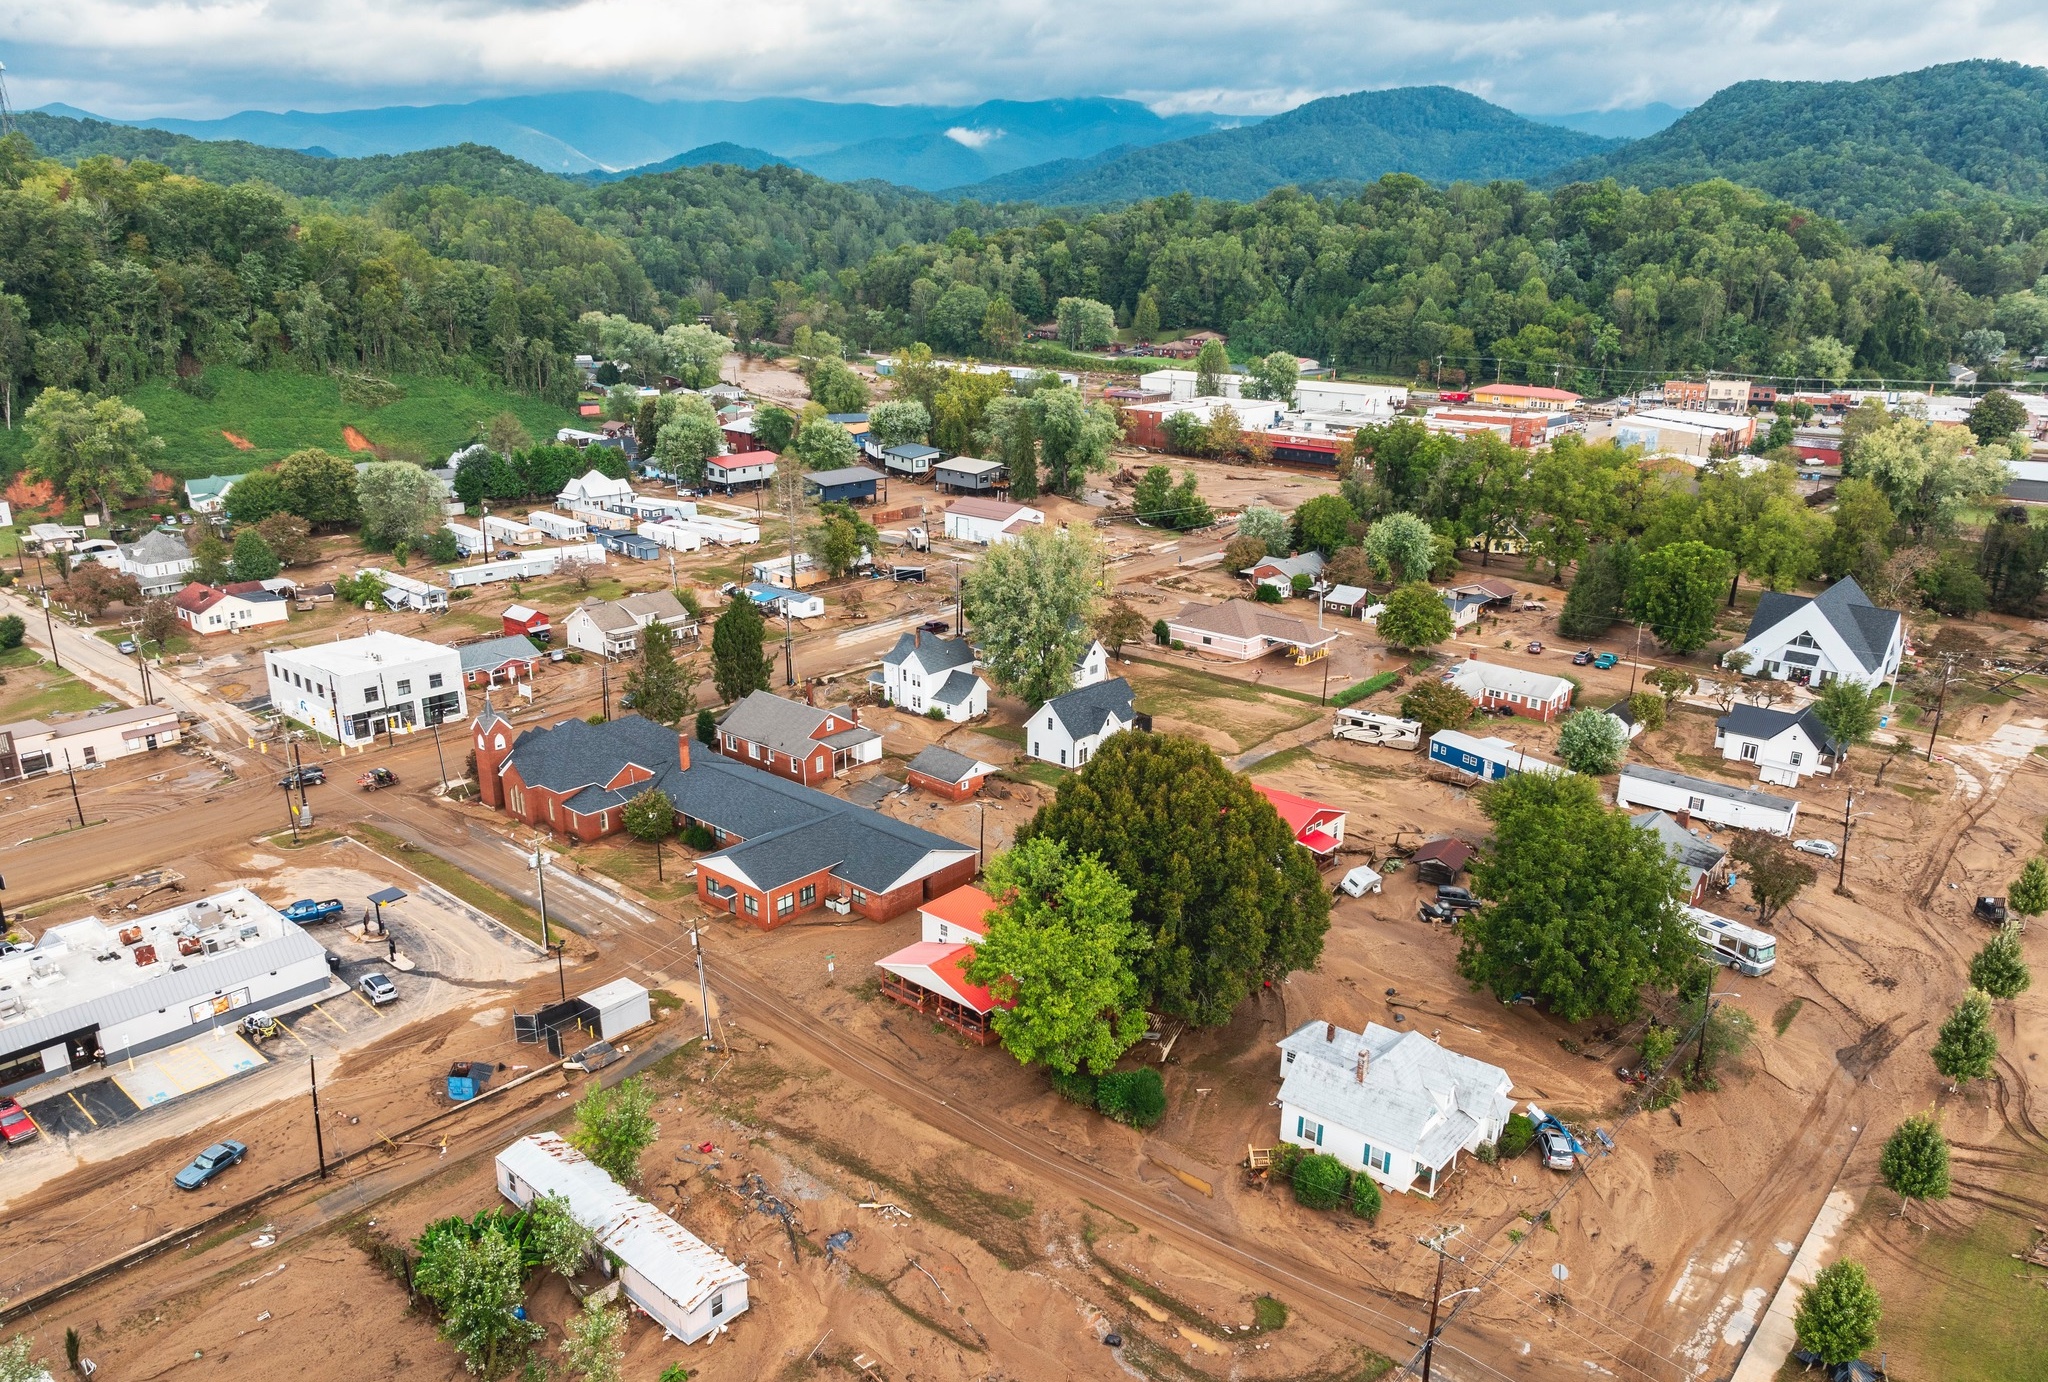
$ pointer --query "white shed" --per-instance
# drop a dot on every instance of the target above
(619, 1007)
(682, 1283)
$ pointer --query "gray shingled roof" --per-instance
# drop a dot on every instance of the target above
(789, 829)
(154, 548)
(1690, 848)
(958, 689)
(786, 726)
(1085, 711)
(938, 761)
(493, 653)
(1757, 722)
(933, 654)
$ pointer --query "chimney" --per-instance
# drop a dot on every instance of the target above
(1684, 819)
(917, 638)
(683, 749)
(811, 694)
(1363, 1059)
(1329, 1031)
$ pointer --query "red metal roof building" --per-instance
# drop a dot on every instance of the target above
(932, 978)
(527, 620)
(1317, 828)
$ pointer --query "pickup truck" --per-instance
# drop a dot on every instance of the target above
(306, 910)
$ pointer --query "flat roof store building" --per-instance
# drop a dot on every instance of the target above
(358, 688)
(683, 1284)
(96, 992)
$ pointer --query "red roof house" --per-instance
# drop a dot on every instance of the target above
(960, 915)
(1317, 828)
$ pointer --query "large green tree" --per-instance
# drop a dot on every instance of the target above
(737, 663)
(822, 444)
(1059, 950)
(1084, 323)
(97, 449)
(1999, 968)
(899, 421)
(1415, 617)
(1838, 1314)
(1849, 711)
(615, 1125)
(319, 487)
(836, 541)
(685, 443)
(1915, 1159)
(1592, 741)
(1401, 547)
(1928, 474)
(1324, 524)
(661, 688)
(1966, 1047)
(650, 818)
(476, 1282)
(1435, 706)
(1212, 367)
(1030, 602)
(1599, 591)
(774, 428)
(1676, 589)
(254, 560)
(1074, 438)
(1580, 910)
(256, 496)
(399, 503)
(1998, 415)
(1224, 896)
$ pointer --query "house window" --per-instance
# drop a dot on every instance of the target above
(91, 754)
(1063, 758)
(1797, 758)
(785, 904)
(859, 896)
(433, 681)
(1695, 803)
(808, 894)
(1749, 752)
(1307, 1131)
(369, 695)
(1381, 1160)
(405, 687)
(753, 905)
(718, 1305)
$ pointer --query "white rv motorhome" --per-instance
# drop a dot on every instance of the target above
(1742, 948)
(1387, 731)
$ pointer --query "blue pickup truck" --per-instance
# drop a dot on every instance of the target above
(306, 911)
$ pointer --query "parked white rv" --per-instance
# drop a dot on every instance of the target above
(1387, 731)
(1742, 948)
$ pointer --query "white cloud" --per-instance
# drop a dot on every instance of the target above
(209, 57)
(973, 139)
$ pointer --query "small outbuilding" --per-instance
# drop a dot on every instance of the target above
(954, 776)
(524, 619)
(618, 1007)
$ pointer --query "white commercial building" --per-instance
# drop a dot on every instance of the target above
(92, 993)
(358, 688)
(684, 1285)
(1312, 395)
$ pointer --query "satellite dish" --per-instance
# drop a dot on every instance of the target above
(1561, 1272)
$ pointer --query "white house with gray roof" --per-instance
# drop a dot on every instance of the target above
(1811, 639)
(1393, 1104)
(1067, 730)
(161, 564)
(922, 673)
(1784, 745)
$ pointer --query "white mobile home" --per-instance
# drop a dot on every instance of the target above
(1716, 802)
(724, 532)
(468, 540)
(559, 526)
(510, 532)
(403, 592)
(522, 568)
(673, 536)
(684, 1285)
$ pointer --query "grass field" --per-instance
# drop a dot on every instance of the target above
(1985, 1322)
(34, 692)
(281, 411)
(1249, 714)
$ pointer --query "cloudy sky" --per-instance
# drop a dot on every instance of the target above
(213, 57)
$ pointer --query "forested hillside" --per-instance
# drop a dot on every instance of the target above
(1434, 132)
(1862, 152)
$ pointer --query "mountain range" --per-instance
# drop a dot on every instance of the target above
(1864, 152)
(926, 147)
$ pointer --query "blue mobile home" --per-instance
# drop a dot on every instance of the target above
(628, 544)
(1488, 759)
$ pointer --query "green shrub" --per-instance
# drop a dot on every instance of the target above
(1269, 594)
(1269, 1314)
(697, 837)
(1179, 646)
(1517, 1135)
(1160, 634)
(1078, 1087)
(1488, 1152)
(1358, 692)
(1286, 1157)
(1365, 1197)
(1136, 1097)
(1320, 1181)
(935, 713)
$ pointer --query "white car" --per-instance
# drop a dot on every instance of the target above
(1824, 848)
(378, 988)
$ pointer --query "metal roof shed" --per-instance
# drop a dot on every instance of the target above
(619, 1007)
(682, 1283)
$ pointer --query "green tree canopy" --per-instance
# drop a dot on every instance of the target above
(1160, 502)
(1775, 872)
(1223, 894)
(1599, 591)
(1212, 366)
(1592, 741)
(1415, 617)
(256, 496)
(1838, 1314)
(1059, 948)
(1085, 324)
(737, 663)
(1435, 706)
(1030, 602)
(2028, 893)
(2000, 967)
(1074, 438)
(1966, 1047)
(685, 443)
(1675, 591)
(1580, 909)
(774, 428)
(662, 689)
(822, 444)
(615, 1125)
(1265, 523)
(1324, 523)
(1928, 474)
(838, 538)
(899, 421)
(1273, 376)
(1848, 710)
(1915, 1159)
(399, 503)
(1401, 547)
(1998, 415)
(97, 449)
(475, 1283)
(1859, 537)
(254, 561)
(835, 388)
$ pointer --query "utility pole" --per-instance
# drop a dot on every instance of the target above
(1842, 872)
(540, 873)
(50, 624)
(291, 813)
(604, 677)
(703, 993)
(1436, 1292)
(319, 1146)
(435, 725)
(1948, 665)
(74, 789)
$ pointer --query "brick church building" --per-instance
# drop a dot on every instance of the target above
(782, 848)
